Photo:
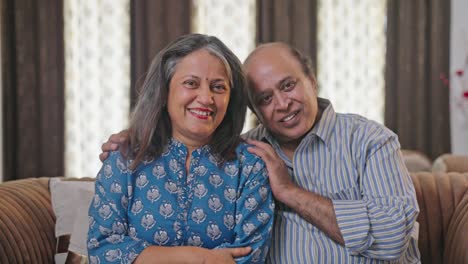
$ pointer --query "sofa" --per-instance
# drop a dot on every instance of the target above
(450, 163)
(27, 219)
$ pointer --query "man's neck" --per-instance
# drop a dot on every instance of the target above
(290, 147)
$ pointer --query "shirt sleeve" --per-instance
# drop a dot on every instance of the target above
(381, 223)
(254, 217)
(109, 240)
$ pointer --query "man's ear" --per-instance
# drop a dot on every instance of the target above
(313, 81)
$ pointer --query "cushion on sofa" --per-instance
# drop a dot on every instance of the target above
(70, 202)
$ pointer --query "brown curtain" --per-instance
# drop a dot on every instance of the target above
(293, 22)
(416, 100)
(154, 23)
(33, 99)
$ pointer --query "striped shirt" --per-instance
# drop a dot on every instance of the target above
(357, 164)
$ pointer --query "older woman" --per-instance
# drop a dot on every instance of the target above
(184, 189)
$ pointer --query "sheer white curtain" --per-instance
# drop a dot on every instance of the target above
(233, 22)
(351, 55)
(97, 79)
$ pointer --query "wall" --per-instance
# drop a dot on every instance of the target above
(459, 84)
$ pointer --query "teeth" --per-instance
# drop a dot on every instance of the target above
(203, 113)
(286, 119)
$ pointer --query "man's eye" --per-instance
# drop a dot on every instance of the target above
(264, 100)
(289, 85)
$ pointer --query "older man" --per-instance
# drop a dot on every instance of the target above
(343, 193)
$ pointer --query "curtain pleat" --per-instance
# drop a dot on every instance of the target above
(293, 22)
(154, 23)
(416, 100)
(33, 81)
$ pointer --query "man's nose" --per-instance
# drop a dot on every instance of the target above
(282, 102)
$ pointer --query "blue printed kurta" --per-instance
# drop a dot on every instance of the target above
(213, 206)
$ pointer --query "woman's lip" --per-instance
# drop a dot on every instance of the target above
(193, 112)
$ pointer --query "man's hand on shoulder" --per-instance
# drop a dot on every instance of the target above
(113, 143)
(280, 181)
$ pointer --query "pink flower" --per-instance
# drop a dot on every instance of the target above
(465, 94)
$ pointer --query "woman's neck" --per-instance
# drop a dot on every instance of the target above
(190, 144)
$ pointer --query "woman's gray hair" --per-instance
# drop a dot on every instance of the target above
(150, 125)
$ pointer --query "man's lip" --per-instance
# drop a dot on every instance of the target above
(293, 113)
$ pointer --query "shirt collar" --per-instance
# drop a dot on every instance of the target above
(324, 127)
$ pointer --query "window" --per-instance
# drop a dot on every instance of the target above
(351, 55)
(97, 79)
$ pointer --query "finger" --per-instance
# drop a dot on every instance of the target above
(258, 143)
(267, 148)
(239, 252)
(267, 155)
(118, 138)
(109, 146)
(103, 156)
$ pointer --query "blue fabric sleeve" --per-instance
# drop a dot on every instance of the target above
(254, 218)
(108, 237)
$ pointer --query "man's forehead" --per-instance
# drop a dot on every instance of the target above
(267, 50)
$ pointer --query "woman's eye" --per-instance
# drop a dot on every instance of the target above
(190, 83)
(219, 88)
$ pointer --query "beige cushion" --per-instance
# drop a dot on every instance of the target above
(78, 238)
(70, 201)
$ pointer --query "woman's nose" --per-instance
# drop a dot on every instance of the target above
(205, 95)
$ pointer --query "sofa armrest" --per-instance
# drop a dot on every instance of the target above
(439, 196)
(456, 246)
(450, 163)
(27, 233)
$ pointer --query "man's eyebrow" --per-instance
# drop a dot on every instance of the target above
(284, 80)
(260, 94)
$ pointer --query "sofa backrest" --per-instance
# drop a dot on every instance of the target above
(27, 221)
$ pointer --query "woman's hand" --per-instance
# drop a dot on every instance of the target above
(190, 255)
(113, 143)
(224, 255)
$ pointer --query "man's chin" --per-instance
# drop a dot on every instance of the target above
(290, 135)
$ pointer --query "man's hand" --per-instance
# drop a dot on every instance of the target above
(314, 208)
(113, 143)
(280, 181)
